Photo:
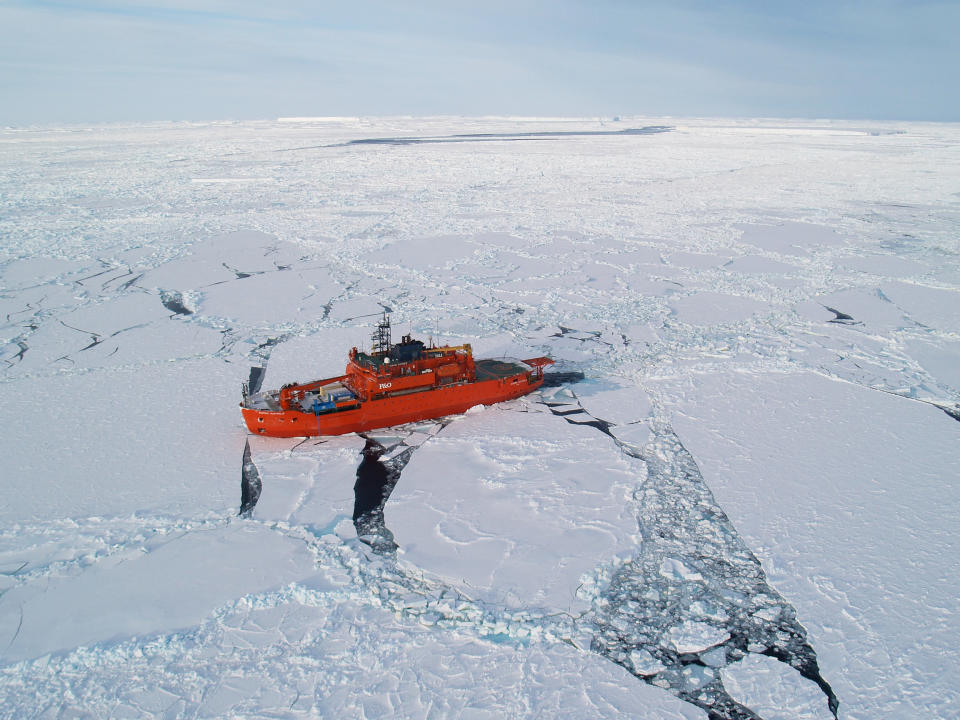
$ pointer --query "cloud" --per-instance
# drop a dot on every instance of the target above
(211, 59)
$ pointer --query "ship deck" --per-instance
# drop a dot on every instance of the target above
(491, 369)
(262, 401)
(488, 369)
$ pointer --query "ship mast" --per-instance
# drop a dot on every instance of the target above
(381, 338)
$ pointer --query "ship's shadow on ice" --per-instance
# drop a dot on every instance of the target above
(694, 599)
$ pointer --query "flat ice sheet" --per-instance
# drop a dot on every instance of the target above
(109, 443)
(501, 504)
(119, 596)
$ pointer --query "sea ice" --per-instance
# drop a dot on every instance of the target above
(733, 499)
(513, 516)
(830, 482)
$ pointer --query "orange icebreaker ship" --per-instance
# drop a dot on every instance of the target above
(391, 385)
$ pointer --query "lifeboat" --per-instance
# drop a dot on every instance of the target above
(393, 384)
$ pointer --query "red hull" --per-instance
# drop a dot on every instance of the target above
(393, 384)
(387, 411)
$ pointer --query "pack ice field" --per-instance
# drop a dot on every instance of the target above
(734, 496)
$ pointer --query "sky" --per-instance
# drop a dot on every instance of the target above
(106, 60)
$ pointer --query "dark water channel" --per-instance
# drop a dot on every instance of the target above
(250, 483)
(173, 301)
(376, 479)
(494, 137)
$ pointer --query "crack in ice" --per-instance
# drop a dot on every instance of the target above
(693, 599)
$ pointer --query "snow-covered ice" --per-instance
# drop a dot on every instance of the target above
(515, 517)
(736, 498)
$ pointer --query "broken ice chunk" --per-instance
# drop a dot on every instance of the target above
(692, 636)
(675, 570)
